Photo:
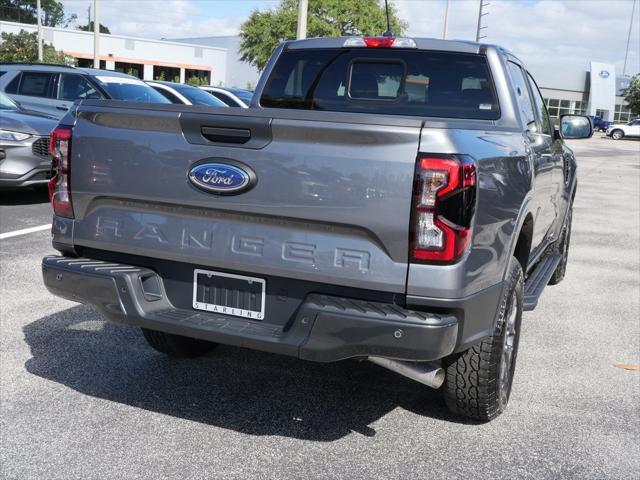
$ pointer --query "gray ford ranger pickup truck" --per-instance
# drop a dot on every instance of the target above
(391, 199)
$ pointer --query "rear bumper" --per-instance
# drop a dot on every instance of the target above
(325, 328)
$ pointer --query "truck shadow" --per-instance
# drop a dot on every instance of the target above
(243, 390)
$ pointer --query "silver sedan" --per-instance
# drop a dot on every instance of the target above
(24, 145)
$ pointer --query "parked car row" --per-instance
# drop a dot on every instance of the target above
(33, 97)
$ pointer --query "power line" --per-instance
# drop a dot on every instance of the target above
(626, 53)
(446, 20)
(481, 14)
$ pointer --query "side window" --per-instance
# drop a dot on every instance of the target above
(524, 100)
(540, 107)
(225, 98)
(12, 86)
(36, 84)
(73, 87)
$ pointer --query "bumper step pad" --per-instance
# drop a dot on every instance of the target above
(324, 328)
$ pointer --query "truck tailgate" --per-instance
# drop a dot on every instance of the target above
(331, 203)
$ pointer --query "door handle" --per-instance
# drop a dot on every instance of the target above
(62, 107)
(226, 135)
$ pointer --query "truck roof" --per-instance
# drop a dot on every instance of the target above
(462, 46)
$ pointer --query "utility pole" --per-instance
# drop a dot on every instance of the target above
(39, 14)
(480, 15)
(96, 36)
(626, 53)
(446, 20)
(303, 6)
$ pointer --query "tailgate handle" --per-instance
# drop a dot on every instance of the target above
(226, 135)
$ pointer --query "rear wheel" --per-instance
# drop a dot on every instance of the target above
(478, 381)
(617, 134)
(177, 345)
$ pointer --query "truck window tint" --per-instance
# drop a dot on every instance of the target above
(395, 82)
(36, 84)
(73, 87)
(540, 106)
(524, 99)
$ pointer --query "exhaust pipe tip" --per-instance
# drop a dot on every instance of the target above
(428, 373)
(438, 377)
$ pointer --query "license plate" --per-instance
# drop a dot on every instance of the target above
(229, 294)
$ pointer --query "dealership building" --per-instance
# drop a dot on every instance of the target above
(593, 91)
(144, 58)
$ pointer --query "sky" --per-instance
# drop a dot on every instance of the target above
(555, 37)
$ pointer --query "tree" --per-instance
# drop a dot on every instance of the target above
(23, 47)
(265, 29)
(89, 28)
(25, 11)
(197, 81)
(632, 94)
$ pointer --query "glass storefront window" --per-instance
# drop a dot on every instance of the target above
(622, 114)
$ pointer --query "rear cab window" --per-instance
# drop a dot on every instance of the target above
(389, 81)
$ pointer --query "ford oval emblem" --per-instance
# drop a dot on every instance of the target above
(223, 177)
(604, 74)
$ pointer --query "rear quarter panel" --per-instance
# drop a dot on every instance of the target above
(504, 185)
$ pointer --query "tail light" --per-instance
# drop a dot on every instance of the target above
(444, 197)
(59, 185)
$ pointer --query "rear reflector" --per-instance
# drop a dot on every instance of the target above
(380, 42)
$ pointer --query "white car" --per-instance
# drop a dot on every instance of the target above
(232, 97)
(619, 131)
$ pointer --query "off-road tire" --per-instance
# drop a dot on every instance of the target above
(177, 345)
(617, 134)
(562, 248)
(475, 385)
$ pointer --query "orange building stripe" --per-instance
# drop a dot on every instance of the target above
(141, 61)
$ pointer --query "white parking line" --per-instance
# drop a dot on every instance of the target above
(24, 231)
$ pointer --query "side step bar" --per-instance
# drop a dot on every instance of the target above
(539, 278)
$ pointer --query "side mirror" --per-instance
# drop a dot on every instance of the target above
(575, 126)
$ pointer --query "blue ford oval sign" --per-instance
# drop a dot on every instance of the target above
(222, 178)
(604, 74)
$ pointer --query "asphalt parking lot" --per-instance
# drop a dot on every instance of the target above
(84, 399)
